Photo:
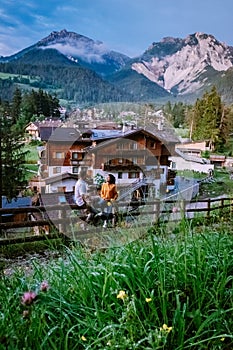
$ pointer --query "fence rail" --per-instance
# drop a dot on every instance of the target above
(159, 209)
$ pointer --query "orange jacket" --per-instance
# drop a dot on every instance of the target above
(108, 191)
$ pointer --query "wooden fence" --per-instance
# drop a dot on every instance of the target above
(64, 214)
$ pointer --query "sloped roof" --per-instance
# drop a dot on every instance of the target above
(166, 134)
(122, 136)
(60, 177)
(102, 134)
(50, 123)
(64, 135)
(46, 132)
(48, 199)
(17, 202)
(54, 198)
(217, 157)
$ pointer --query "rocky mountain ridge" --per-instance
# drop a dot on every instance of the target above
(171, 68)
(177, 64)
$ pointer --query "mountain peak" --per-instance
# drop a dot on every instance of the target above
(179, 65)
(61, 37)
(85, 51)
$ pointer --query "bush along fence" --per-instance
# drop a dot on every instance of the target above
(53, 221)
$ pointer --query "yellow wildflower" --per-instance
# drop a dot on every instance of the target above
(83, 338)
(165, 328)
(222, 339)
(121, 295)
(148, 300)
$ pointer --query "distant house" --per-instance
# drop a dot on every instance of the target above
(42, 130)
(188, 156)
(217, 160)
(62, 183)
(181, 162)
(194, 148)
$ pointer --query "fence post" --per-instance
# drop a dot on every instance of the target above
(182, 209)
(62, 215)
(208, 208)
(222, 207)
(156, 210)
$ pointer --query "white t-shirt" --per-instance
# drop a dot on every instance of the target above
(80, 190)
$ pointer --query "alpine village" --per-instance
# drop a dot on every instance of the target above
(162, 125)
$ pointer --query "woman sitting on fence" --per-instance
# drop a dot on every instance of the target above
(108, 194)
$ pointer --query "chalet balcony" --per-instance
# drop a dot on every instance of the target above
(75, 162)
(121, 167)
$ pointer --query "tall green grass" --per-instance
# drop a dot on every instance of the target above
(165, 291)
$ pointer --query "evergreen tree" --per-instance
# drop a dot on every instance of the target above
(16, 105)
(12, 155)
(226, 129)
(176, 114)
(207, 118)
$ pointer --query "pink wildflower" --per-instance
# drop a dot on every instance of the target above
(44, 286)
(174, 209)
(28, 298)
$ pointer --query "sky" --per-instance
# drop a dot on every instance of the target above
(126, 26)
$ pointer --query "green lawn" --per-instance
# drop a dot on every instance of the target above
(32, 156)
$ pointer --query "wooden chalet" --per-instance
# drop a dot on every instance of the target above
(134, 154)
(64, 182)
(42, 130)
(129, 154)
(63, 153)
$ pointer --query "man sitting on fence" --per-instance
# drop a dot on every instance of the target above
(80, 196)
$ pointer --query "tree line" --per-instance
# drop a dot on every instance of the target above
(208, 119)
(47, 69)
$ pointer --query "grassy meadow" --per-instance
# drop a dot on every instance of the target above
(170, 289)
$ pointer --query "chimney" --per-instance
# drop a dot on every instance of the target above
(160, 124)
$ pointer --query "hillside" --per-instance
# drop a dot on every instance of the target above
(52, 71)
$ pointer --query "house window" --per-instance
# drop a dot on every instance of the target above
(120, 145)
(74, 155)
(153, 144)
(133, 175)
(120, 175)
(133, 145)
(57, 170)
(58, 155)
(77, 155)
(75, 169)
(140, 161)
(61, 188)
(173, 165)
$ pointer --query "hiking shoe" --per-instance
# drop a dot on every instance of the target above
(89, 217)
(99, 214)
